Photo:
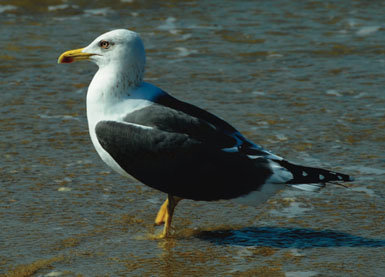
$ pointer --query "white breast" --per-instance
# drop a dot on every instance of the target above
(105, 103)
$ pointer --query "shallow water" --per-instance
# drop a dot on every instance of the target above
(305, 80)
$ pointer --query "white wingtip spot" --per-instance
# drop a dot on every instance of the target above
(321, 177)
(304, 174)
(339, 177)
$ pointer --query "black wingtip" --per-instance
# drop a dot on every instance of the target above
(343, 177)
(306, 175)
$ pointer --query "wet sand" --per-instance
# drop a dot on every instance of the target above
(303, 80)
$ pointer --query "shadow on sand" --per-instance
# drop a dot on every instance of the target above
(287, 238)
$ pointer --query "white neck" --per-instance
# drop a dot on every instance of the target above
(110, 96)
(111, 82)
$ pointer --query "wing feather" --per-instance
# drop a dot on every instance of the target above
(180, 164)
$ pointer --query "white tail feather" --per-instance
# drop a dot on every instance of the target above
(308, 187)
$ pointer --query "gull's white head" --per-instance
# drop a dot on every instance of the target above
(118, 50)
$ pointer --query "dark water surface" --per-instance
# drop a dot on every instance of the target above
(304, 79)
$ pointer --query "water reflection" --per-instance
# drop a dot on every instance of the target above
(287, 238)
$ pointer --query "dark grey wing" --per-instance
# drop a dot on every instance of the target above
(170, 120)
(172, 115)
(171, 102)
(180, 164)
(244, 145)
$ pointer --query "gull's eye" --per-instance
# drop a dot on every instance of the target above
(104, 44)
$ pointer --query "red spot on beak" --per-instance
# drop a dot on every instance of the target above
(67, 60)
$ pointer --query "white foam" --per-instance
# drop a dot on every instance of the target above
(295, 209)
(360, 95)
(274, 55)
(352, 22)
(366, 170)
(281, 137)
(169, 25)
(55, 274)
(101, 11)
(364, 189)
(301, 273)
(258, 93)
(4, 8)
(185, 37)
(368, 30)
(68, 18)
(333, 92)
(184, 52)
(296, 253)
(58, 7)
(154, 200)
(64, 117)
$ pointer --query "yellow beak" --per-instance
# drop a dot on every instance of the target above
(73, 56)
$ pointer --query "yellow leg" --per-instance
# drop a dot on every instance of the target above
(165, 214)
(168, 218)
(161, 216)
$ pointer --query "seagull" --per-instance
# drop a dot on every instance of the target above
(142, 132)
